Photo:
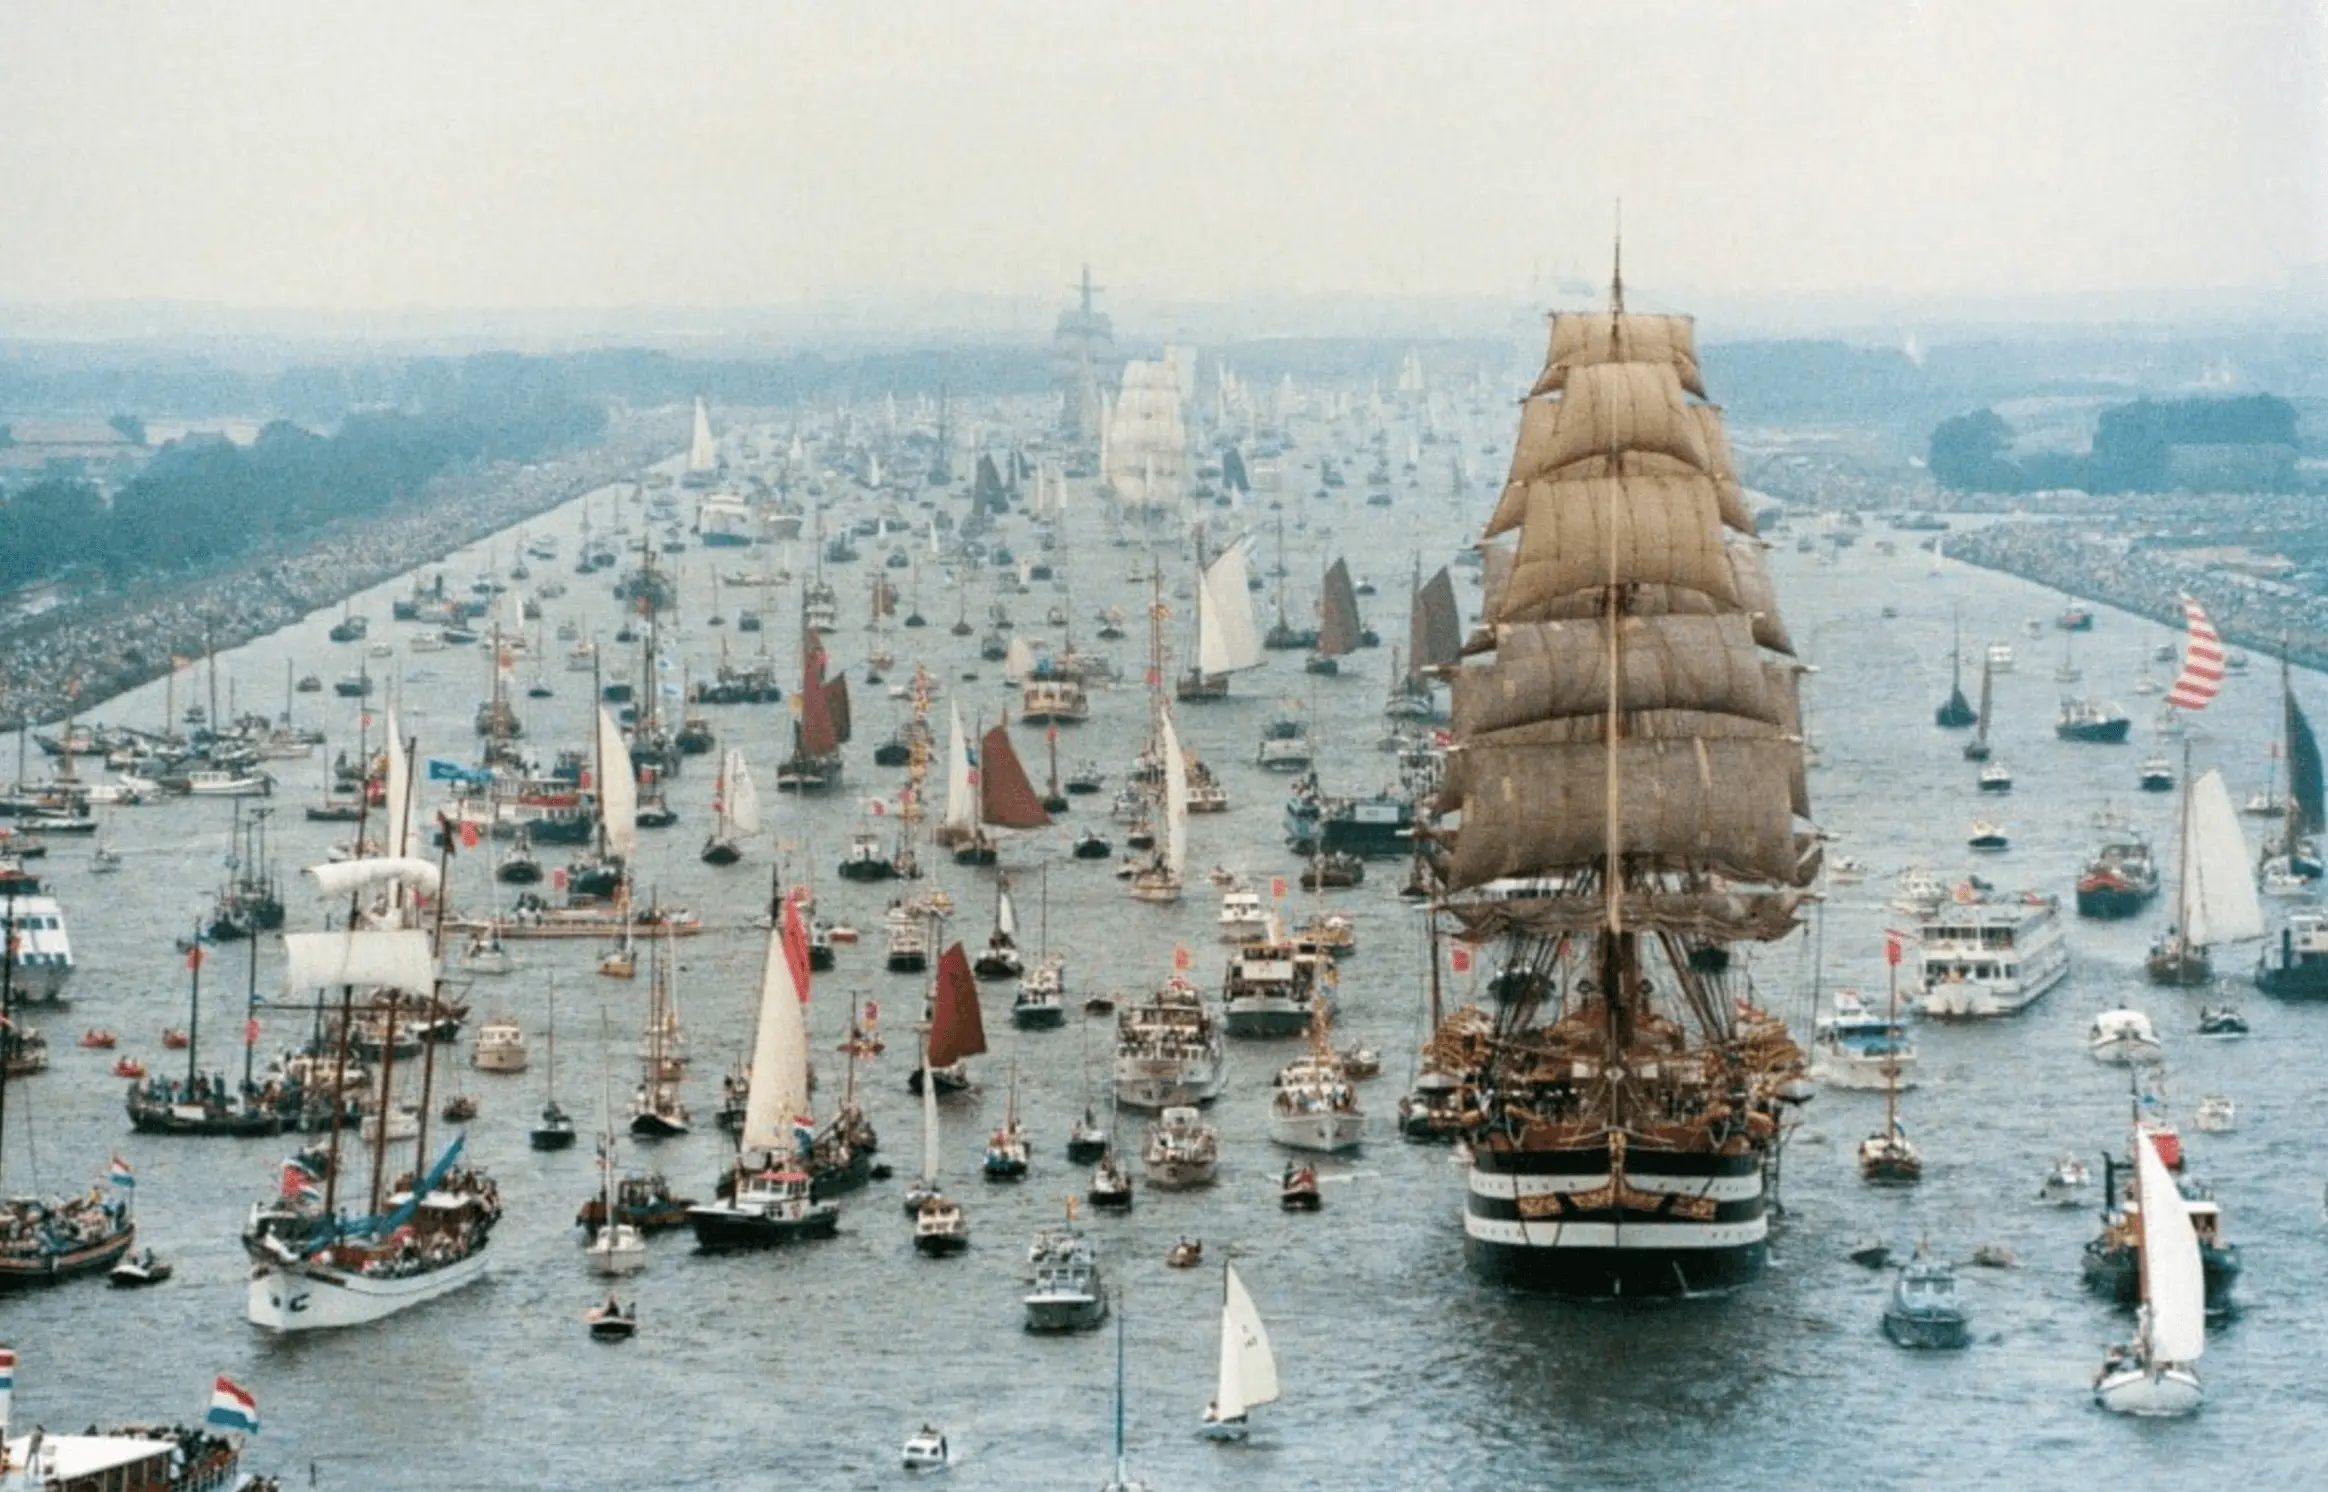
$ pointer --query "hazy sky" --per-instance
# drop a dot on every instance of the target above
(580, 154)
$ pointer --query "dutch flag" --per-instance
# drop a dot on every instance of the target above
(803, 1131)
(232, 1407)
(120, 1173)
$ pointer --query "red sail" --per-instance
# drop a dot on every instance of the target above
(1005, 798)
(836, 692)
(955, 1030)
(817, 736)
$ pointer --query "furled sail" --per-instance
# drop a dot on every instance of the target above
(1338, 626)
(778, 1094)
(955, 1028)
(618, 791)
(339, 878)
(1551, 670)
(396, 834)
(1005, 798)
(1175, 798)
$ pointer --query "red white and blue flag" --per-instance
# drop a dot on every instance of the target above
(803, 1131)
(2202, 669)
(120, 1173)
(232, 1407)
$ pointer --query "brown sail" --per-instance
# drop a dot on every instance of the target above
(817, 736)
(1005, 798)
(1435, 635)
(955, 1029)
(1338, 608)
(836, 692)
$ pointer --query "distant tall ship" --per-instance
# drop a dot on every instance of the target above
(1624, 801)
(1144, 453)
(1083, 359)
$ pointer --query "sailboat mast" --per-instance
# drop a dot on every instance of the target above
(193, 1006)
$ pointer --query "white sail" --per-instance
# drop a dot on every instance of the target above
(618, 790)
(1006, 916)
(702, 451)
(1227, 639)
(342, 877)
(743, 799)
(778, 1093)
(1175, 800)
(1248, 1367)
(961, 791)
(398, 959)
(1019, 661)
(2218, 889)
(1144, 443)
(398, 835)
(2173, 1276)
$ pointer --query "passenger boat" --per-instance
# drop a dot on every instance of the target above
(1982, 955)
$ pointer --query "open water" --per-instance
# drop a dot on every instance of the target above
(807, 1368)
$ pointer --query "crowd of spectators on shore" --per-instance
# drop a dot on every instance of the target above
(93, 646)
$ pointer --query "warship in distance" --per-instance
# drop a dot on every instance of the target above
(1625, 800)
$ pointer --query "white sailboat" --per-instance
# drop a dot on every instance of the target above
(1161, 879)
(939, 1226)
(960, 825)
(735, 808)
(2215, 895)
(2157, 1375)
(1248, 1370)
(1144, 440)
(702, 450)
(617, 1248)
(1228, 638)
(768, 1199)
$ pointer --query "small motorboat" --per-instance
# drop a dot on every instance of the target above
(1987, 836)
(1297, 1189)
(2125, 1037)
(1996, 777)
(611, 1323)
(2216, 1115)
(174, 1038)
(1090, 845)
(459, 1109)
(128, 1067)
(2214, 1020)
(622, 963)
(1993, 1256)
(840, 932)
(926, 1450)
(1111, 1186)
(1087, 1141)
(98, 1038)
(2066, 1184)
(1185, 1254)
(1924, 1310)
(1361, 1061)
(1871, 1253)
(139, 1270)
(1846, 870)
(1099, 1005)
(553, 1131)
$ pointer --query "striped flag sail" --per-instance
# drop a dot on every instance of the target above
(232, 1407)
(2202, 669)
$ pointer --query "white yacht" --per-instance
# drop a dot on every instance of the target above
(1314, 1106)
(1244, 916)
(500, 1046)
(1182, 1150)
(1984, 955)
(1861, 1049)
(2000, 657)
(1169, 1050)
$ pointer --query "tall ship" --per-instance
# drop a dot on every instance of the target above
(1625, 800)
(422, 1233)
(1144, 448)
(40, 960)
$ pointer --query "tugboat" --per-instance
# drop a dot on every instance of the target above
(2118, 882)
(1297, 1189)
(1924, 1310)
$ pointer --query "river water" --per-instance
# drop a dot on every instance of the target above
(808, 1367)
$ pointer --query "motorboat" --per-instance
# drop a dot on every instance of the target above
(138, 1270)
(1987, 835)
(1924, 1310)
(926, 1450)
(2215, 1115)
(612, 1322)
(2067, 1184)
(2221, 1021)
(2125, 1037)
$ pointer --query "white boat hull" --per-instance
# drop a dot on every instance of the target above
(1328, 1132)
(627, 1256)
(1180, 1174)
(287, 1297)
(1858, 1074)
(2152, 1393)
(2127, 1051)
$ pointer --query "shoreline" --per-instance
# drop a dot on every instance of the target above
(79, 656)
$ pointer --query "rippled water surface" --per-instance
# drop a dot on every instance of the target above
(808, 1367)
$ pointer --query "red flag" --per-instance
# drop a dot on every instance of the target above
(879, 808)
(1277, 887)
(872, 1012)
(1460, 957)
(468, 834)
(194, 957)
(1891, 948)
(1053, 733)
(1181, 961)
(251, 1031)
(558, 879)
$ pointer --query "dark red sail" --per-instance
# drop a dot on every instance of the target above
(1005, 798)
(955, 1029)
